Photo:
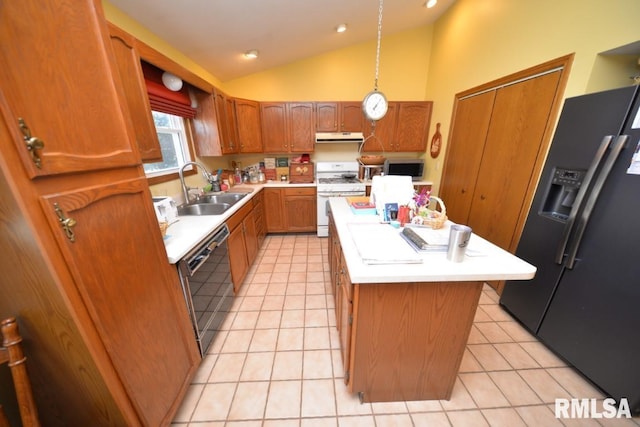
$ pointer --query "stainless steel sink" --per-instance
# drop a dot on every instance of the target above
(203, 209)
(229, 198)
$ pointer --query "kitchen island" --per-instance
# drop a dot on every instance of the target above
(404, 317)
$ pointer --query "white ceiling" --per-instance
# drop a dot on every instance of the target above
(215, 33)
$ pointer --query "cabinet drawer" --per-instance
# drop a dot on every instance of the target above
(300, 191)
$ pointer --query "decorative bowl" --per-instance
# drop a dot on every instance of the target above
(371, 160)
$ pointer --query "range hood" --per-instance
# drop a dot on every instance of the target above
(336, 137)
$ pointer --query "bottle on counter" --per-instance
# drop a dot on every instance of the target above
(237, 177)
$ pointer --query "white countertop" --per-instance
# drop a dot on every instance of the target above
(484, 260)
(188, 231)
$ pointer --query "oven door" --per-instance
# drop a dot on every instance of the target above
(323, 207)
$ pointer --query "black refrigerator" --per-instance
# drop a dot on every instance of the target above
(583, 235)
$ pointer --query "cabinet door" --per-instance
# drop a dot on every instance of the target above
(351, 117)
(118, 262)
(128, 63)
(274, 213)
(230, 125)
(250, 237)
(412, 131)
(385, 129)
(225, 120)
(513, 142)
(302, 127)
(237, 257)
(73, 107)
(275, 138)
(464, 153)
(206, 127)
(301, 213)
(258, 211)
(248, 125)
(346, 320)
(326, 116)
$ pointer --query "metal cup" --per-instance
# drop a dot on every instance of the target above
(459, 236)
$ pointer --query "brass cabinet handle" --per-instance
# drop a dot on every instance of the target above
(32, 143)
(66, 223)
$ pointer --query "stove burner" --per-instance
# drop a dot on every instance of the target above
(338, 180)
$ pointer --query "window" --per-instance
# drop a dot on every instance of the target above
(173, 143)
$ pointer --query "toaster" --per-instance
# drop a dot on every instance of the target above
(166, 209)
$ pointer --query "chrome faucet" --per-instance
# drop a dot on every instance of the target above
(185, 189)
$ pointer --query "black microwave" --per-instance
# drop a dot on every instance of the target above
(411, 167)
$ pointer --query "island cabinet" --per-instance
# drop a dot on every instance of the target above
(259, 216)
(339, 117)
(249, 133)
(404, 327)
(243, 244)
(291, 209)
(287, 127)
(405, 127)
(84, 266)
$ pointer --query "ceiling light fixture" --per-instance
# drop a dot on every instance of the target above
(430, 3)
(171, 81)
(251, 54)
(341, 28)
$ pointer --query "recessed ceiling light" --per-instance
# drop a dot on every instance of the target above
(341, 28)
(430, 3)
(252, 54)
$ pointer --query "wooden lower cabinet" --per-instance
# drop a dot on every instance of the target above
(345, 321)
(243, 244)
(291, 209)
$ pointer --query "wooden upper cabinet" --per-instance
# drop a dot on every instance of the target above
(287, 127)
(226, 120)
(339, 117)
(59, 89)
(132, 78)
(301, 123)
(247, 113)
(405, 127)
(206, 126)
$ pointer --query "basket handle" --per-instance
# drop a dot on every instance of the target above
(439, 201)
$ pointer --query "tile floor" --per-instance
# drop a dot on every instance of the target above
(277, 362)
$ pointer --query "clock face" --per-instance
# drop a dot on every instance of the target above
(374, 105)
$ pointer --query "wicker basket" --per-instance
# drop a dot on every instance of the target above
(371, 160)
(431, 217)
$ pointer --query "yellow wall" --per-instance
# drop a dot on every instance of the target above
(474, 42)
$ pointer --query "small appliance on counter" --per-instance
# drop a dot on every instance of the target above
(166, 209)
(386, 190)
(409, 167)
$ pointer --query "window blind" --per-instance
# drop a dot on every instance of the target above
(164, 100)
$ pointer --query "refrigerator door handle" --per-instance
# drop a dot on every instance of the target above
(593, 167)
(616, 148)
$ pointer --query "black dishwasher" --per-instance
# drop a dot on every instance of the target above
(205, 276)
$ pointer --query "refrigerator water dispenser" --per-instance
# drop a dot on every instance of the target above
(562, 192)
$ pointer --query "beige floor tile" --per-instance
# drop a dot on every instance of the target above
(514, 388)
(292, 319)
(315, 266)
(481, 315)
(245, 320)
(284, 399)
(318, 398)
(298, 267)
(243, 423)
(316, 302)
(214, 403)
(294, 302)
(316, 317)
(424, 406)
(503, 417)
(273, 302)
(433, 419)
(538, 416)
(290, 339)
(205, 368)
(319, 422)
(279, 277)
(276, 289)
(316, 338)
(542, 354)
(497, 313)
(475, 336)
(188, 403)
(251, 303)
(460, 398)
(577, 386)
(483, 390)
(287, 365)
(489, 357)
(389, 407)
(282, 268)
(249, 401)
(493, 333)
(393, 420)
(349, 403)
(315, 288)
(315, 277)
(280, 423)
(543, 384)
(269, 319)
(317, 364)
(469, 363)
(467, 419)
(264, 340)
(237, 341)
(227, 368)
(338, 366)
(356, 421)
(257, 367)
(517, 357)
